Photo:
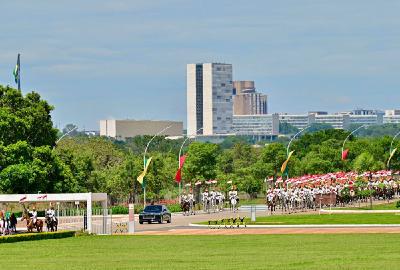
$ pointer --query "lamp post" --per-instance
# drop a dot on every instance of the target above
(144, 162)
(179, 159)
(348, 136)
(391, 147)
(66, 134)
(287, 151)
(290, 142)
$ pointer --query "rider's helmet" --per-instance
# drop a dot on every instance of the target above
(33, 208)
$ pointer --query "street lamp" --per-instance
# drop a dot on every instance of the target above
(288, 148)
(348, 136)
(294, 137)
(391, 147)
(144, 162)
(66, 134)
(179, 159)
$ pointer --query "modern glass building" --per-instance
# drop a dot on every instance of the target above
(209, 98)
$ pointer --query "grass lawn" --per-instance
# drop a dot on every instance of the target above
(316, 219)
(384, 206)
(330, 219)
(319, 252)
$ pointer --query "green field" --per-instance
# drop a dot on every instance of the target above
(384, 206)
(325, 219)
(368, 251)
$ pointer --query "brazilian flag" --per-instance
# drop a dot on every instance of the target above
(17, 73)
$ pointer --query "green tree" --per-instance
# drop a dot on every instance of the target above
(366, 162)
(201, 161)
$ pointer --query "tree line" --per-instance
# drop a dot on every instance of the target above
(31, 161)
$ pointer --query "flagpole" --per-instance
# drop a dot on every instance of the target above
(144, 163)
(179, 161)
(288, 147)
(391, 147)
(348, 136)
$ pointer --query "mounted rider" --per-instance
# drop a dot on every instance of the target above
(51, 213)
(233, 194)
(33, 215)
(184, 198)
(205, 196)
(190, 196)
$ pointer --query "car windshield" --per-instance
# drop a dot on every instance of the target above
(153, 208)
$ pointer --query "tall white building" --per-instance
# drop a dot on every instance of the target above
(209, 98)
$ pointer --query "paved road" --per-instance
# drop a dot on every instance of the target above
(181, 222)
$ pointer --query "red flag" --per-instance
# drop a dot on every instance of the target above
(178, 176)
(182, 161)
(345, 153)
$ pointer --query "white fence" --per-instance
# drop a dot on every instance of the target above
(76, 219)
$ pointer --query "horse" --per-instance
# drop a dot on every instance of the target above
(192, 204)
(29, 223)
(51, 224)
(185, 207)
(271, 203)
(13, 223)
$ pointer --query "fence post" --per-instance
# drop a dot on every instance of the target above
(253, 213)
(131, 222)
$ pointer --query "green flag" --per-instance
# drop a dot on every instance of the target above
(17, 73)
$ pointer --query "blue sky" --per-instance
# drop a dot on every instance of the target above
(127, 59)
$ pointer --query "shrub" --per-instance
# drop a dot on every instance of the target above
(36, 236)
(120, 210)
(398, 204)
(174, 208)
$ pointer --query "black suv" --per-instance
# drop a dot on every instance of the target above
(157, 213)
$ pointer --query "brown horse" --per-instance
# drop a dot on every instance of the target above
(29, 223)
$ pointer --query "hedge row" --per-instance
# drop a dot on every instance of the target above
(123, 210)
(36, 236)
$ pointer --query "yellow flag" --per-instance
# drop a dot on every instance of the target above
(143, 174)
(391, 156)
(284, 165)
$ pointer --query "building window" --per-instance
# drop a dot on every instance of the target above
(223, 85)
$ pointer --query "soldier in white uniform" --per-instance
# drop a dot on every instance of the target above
(33, 214)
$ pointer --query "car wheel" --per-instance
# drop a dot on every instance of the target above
(169, 220)
(140, 222)
(149, 221)
(160, 220)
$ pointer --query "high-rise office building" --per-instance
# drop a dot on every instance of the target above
(209, 98)
(246, 101)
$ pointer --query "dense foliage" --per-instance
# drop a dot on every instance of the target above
(31, 161)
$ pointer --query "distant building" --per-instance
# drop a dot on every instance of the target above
(337, 121)
(246, 101)
(318, 112)
(297, 120)
(341, 120)
(391, 117)
(122, 129)
(256, 125)
(209, 98)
